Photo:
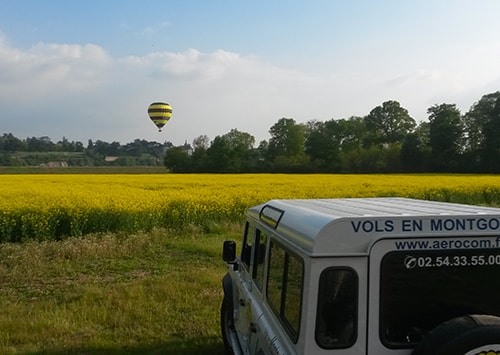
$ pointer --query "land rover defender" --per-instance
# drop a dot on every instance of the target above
(372, 276)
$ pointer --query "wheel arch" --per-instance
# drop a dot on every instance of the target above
(227, 286)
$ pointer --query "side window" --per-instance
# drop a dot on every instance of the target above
(246, 251)
(284, 287)
(260, 255)
(336, 319)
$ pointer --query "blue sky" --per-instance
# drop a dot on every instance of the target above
(89, 69)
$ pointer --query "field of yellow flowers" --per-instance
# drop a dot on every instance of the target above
(55, 206)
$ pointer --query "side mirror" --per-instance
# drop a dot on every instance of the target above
(229, 251)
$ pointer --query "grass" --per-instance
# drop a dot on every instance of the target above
(147, 293)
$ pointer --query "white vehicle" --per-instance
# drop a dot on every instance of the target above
(372, 276)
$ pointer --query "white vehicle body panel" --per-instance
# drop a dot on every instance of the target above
(354, 233)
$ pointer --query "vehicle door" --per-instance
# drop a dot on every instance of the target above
(258, 344)
(243, 304)
(278, 286)
(417, 284)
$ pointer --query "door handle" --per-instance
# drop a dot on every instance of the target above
(253, 328)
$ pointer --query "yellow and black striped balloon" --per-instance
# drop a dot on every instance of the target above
(160, 113)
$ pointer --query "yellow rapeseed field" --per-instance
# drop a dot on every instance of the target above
(54, 206)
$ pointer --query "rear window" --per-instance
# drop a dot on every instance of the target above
(336, 319)
(421, 289)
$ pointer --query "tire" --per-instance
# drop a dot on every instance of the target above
(461, 335)
(226, 324)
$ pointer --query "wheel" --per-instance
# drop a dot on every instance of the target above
(226, 324)
(461, 335)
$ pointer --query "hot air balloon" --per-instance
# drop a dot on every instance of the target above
(160, 113)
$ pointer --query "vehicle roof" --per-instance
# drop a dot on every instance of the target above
(351, 225)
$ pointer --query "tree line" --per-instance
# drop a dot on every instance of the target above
(34, 151)
(387, 140)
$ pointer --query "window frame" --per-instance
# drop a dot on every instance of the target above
(285, 267)
(246, 248)
(259, 262)
(355, 313)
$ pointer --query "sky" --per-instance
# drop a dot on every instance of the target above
(89, 69)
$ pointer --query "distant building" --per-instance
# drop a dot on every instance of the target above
(110, 158)
(55, 164)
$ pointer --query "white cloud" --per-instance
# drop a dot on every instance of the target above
(49, 70)
(81, 92)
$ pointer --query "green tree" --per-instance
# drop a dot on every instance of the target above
(352, 133)
(415, 151)
(177, 160)
(322, 145)
(5, 159)
(389, 123)
(286, 145)
(10, 143)
(481, 130)
(445, 136)
(231, 152)
(40, 144)
(199, 157)
(261, 157)
(218, 156)
(201, 143)
(412, 158)
(65, 145)
(491, 146)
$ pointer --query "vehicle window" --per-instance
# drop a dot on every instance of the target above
(246, 251)
(284, 287)
(260, 255)
(421, 289)
(336, 319)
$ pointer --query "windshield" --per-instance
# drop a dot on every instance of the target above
(421, 289)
